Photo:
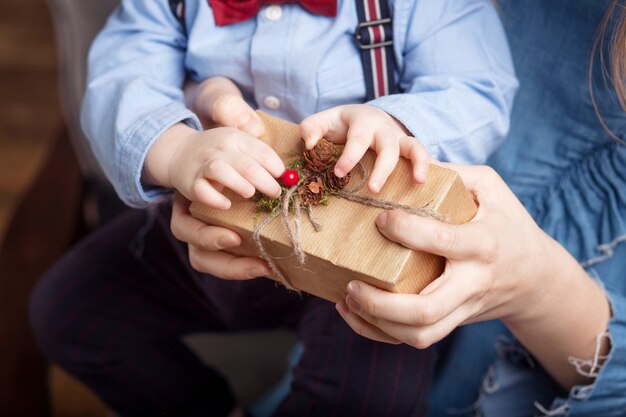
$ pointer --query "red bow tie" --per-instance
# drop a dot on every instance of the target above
(227, 12)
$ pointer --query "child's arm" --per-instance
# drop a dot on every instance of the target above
(134, 111)
(200, 164)
(458, 84)
(457, 77)
(218, 102)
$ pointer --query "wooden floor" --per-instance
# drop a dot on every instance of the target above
(29, 111)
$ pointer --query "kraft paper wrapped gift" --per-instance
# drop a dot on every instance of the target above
(348, 246)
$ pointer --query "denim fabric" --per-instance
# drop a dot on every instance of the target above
(454, 68)
(571, 176)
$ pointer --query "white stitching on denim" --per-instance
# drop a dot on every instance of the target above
(558, 411)
(582, 392)
(490, 382)
(591, 367)
(594, 366)
(605, 250)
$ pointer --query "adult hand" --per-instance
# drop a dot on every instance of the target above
(218, 102)
(500, 265)
(495, 265)
(206, 244)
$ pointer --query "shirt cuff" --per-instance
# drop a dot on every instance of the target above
(403, 109)
(134, 148)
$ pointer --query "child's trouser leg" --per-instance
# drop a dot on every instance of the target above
(344, 374)
(113, 311)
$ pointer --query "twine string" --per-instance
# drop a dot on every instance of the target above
(263, 254)
(294, 230)
(388, 205)
(312, 219)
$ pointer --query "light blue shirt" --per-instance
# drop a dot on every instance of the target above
(454, 69)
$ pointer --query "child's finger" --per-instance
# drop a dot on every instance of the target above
(263, 154)
(231, 110)
(386, 161)
(224, 174)
(358, 141)
(326, 124)
(258, 176)
(203, 192)
(412, 149)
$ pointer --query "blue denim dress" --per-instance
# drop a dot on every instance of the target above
(571, 176)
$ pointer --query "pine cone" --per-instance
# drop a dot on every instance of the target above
(334, 182)
(311, 191)
(323, 155)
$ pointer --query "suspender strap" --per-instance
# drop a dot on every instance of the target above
(374, 37)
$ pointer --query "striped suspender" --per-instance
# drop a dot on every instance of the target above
(374, 37)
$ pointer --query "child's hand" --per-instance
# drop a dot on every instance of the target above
(218, 102)
(200, 164)
(204, 163)
(362, 126)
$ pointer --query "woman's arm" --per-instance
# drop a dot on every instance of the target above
(501, 265)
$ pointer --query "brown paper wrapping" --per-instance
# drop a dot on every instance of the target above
(349, 246)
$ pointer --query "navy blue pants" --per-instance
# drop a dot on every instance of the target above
(113, 311)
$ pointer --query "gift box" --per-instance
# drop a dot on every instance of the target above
(347, 246)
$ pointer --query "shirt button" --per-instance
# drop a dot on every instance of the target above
(272, 102)
(274, 12)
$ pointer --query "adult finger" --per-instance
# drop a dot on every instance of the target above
(362, 327)
(231, 110)
(263, 154)
(412, 149)
(385, 163)
(257, 175)
(469, 240)
(325, 124)
(226, 266)
(476, 178)
(420, 337)
(188, 229)
(414, 309)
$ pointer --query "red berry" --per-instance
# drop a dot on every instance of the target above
(289, 178)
